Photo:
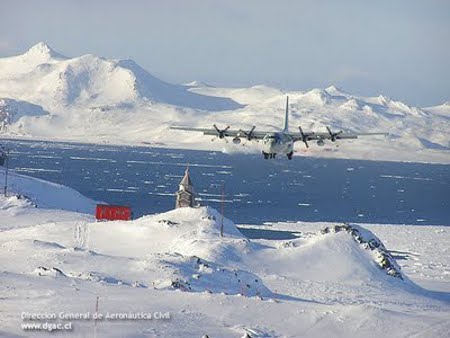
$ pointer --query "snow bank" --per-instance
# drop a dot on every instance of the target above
(182, 250)
(340, 253)
(194, 274)
(43, 194)
(186, 247)
(178, 250)
(369, 241)
(319, 284)
(15, 201)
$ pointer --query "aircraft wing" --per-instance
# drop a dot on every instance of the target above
(333, 136)
(326, 136)
(227, 132)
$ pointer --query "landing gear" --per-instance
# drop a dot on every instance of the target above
(289, 155)
(268, 155)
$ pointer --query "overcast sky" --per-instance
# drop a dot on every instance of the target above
(397, 48)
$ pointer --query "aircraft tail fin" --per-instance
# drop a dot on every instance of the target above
(286, 117)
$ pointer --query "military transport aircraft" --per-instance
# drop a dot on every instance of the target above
(281, 142)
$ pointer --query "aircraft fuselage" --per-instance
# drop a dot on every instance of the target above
(277, 143)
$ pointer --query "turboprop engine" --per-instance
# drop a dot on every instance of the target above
(320, 143)
(236, 140)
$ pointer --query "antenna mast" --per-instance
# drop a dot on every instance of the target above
(222, 208)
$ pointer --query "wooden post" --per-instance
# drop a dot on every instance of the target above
(222, 208)
(6, 172)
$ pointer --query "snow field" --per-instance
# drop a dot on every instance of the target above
(324, 282)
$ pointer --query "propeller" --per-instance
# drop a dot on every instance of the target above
(304, 137)
(221, 133)
(333, 135)
(249, 135)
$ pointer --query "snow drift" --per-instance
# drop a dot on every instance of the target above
(183, 250)
(27, 191)
(335, 280)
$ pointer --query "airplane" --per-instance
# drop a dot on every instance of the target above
(280, 142)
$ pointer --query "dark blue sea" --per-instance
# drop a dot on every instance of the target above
(256, 190)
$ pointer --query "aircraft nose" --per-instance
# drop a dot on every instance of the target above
(272, 145)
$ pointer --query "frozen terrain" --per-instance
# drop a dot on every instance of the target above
(326, 280)
(45, 95)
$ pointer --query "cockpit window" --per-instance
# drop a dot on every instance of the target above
(270, 137)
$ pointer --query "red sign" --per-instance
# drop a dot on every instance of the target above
(113, 212)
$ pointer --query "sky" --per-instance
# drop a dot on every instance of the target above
(400, 48)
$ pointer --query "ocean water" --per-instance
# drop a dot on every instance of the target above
(256, 190)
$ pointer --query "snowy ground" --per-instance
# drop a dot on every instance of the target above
(310, 283)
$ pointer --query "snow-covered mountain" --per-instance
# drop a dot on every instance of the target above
(46, 95)
(415, 134)
(46, 77)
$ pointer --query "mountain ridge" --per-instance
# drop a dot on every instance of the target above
(100, 100)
